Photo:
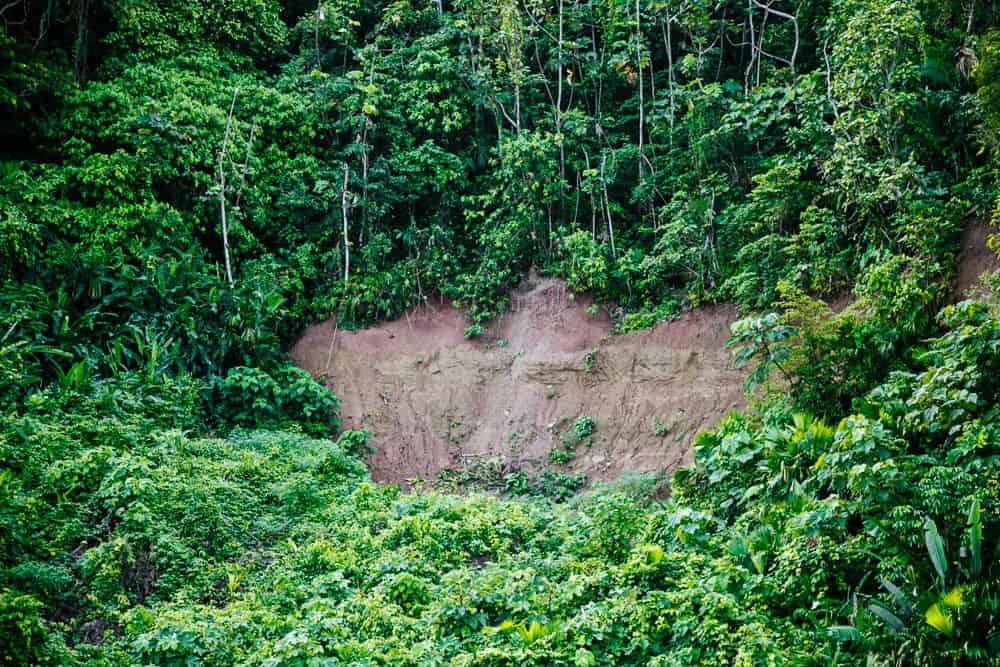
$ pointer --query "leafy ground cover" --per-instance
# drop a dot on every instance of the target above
(185, 185)
(133, 535)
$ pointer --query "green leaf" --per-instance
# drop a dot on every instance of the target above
(584, 658)
(953, 598)
(844, 633)
(938, 620)
(899, 596)
(935, 548)
(890, 619)
(974, 535)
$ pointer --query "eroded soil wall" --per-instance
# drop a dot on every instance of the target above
(434, 400)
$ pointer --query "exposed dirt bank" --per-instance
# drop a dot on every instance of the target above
(434, 400)
(974, 259)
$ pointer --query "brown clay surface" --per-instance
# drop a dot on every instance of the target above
(974, 259)
(434, 400)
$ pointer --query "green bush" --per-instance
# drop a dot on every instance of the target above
(288, 397)
(28, 640)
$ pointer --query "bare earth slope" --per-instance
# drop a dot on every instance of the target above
(434, 400)
(974, 259)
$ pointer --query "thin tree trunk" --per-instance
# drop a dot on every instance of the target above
(760, 45)
(82, 36)
(365, 161)
(753, 49)
(599, 78)
(222, 191)
(642, 101)
(343, 210)
(593, 204)
(559, 102)
(559, 64)
(246, 166)
(576, 208)
(364, 184)
(607, 209)
(517, 108)
(318, 18)
(548, 208)
(795, 23)
(668, 41)
(829, 80)
(225, 226)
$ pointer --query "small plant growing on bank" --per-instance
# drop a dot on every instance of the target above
(584, 426)
(516, 483)
(561, 456)
(661, 429)
(560, 486)
(356, 442)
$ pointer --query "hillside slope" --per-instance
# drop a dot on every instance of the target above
(435, 400)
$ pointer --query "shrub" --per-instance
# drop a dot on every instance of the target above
(252, 397)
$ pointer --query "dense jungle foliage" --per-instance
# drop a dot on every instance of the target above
(184, 184)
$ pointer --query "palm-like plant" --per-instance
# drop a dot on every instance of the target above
(958, 617)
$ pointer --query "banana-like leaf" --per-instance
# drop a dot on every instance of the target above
(890, 619)
(974, 535)
(935, 548)
(902, 602)
(844, 633)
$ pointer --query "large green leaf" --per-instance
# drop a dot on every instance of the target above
(935, 548)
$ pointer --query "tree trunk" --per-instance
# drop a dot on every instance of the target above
(668, 43)
(222, 192)
(607, 208)
(753, 49)
(642, 101)
(82, 37)
(559, 102)
(343, 210)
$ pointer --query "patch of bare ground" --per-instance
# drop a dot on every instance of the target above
(974, 259)
(434, 400)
